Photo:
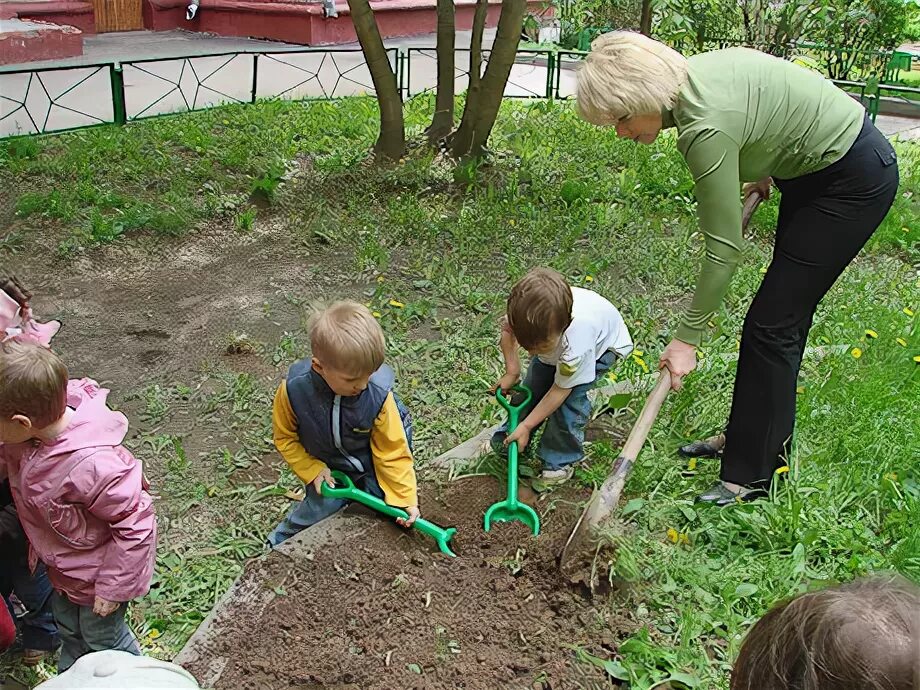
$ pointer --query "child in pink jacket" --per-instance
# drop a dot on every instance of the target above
(80, 495)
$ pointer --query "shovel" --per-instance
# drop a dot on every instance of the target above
(349, 492)
(511, 508)
(604, 500)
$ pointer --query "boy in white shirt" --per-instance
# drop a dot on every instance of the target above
(573, 336)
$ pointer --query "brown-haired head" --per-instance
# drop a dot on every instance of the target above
(539, 307)
(33, 384)
(859, 636)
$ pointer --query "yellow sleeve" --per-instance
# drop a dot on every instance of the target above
(392, 457)
(284, 433)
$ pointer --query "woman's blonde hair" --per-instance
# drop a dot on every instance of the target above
(628, 74)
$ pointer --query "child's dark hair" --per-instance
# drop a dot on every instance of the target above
(539, 306)
(864, 635)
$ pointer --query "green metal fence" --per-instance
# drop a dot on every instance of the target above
(40, 101)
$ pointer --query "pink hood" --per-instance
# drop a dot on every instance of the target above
(20, 324)
(83, 503)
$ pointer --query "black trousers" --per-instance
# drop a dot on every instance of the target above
(825, 218)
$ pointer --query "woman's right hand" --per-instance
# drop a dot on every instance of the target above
(680, 359)
(763, 188)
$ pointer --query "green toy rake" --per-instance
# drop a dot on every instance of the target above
(511, 508)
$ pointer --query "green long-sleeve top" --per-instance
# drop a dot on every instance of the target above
(743, 116)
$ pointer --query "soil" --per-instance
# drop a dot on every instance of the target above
(389, 611)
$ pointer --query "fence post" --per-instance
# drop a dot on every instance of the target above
(550, 73)
(255, 78)
(117, 78)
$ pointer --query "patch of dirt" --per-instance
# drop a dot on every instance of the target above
(385, 610)
(143, 311)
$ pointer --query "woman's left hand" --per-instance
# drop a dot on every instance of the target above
(680, 359)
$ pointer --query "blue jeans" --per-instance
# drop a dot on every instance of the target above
(315, 507)
(562, 442)
(34, 591)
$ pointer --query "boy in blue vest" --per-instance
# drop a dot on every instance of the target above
(337, 411)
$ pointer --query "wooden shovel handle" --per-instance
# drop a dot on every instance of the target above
(750, 205)
(653, 403)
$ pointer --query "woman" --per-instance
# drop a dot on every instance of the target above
(742, 115)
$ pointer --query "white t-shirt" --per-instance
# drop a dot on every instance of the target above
(596, 328)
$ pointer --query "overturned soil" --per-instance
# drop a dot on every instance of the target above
(384, 609)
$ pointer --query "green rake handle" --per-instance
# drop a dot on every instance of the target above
(350, 492)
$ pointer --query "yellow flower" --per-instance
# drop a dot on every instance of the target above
(782, 470)
(901, 342)
(917, 359)
(641, 363)
(377, 314)
(672, 535)
(398, 305)
(763, 269)
(856, 352)
(871, 333)
(153, 634)
(908, 311)
(589, 279)
(511, 222)
(799, 390)
(683, 538)
(691, 464)
(637, 353)
(380, 279)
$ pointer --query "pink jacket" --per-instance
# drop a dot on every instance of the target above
(83, 503)
(19, 323)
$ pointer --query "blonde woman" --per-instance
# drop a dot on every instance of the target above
(743, 116)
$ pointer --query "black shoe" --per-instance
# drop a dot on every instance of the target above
(701, 449)
(722, 496)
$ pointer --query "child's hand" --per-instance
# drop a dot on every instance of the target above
(104, 607)
(521, 435)
(324, 476)
(413, 516)
(506, 383)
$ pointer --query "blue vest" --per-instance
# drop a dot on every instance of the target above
(337, 429)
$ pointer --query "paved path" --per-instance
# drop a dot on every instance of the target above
(185, 77)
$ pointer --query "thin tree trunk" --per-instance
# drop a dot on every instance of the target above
(442, 124)
(461, 139)
(645, 18)
(392, 140)
(480, 111)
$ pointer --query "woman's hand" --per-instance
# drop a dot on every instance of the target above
(763, 188)
(680, 359)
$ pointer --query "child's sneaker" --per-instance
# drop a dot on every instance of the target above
(556, 477)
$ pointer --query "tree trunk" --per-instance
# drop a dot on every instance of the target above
(645, 18)
(392, 140)
(442, 124)
(480, 111)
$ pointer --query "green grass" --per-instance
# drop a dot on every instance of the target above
(444, 245)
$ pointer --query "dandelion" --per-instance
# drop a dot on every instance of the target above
(377, 314)
(901, 342)
(397, 304)
(782, 470)
(691, 464)
(511, 222)
(589, 279)
(871, 333)
(917, 359)
(856, 352)
(380, 278)
(673, 535)
(153, 634)
(908, 311)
